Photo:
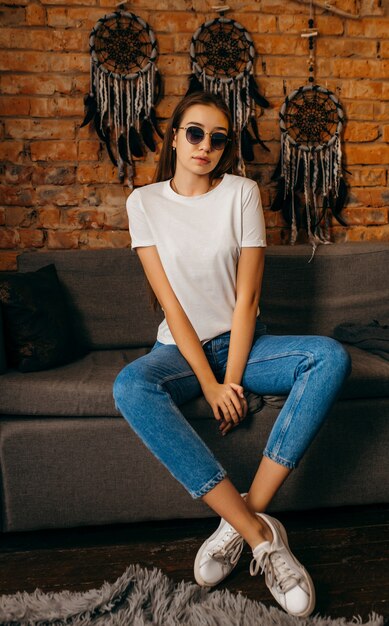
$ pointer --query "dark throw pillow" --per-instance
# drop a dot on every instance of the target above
(38, 331)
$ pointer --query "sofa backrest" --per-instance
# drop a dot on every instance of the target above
(343, 283)
(107, 294)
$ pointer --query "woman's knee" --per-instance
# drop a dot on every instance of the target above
(334, 355)
(125, 383)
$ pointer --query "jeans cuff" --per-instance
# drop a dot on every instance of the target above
(280, 460)
(209, 485)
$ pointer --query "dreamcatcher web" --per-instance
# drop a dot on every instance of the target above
(222, 55)
(125, 86)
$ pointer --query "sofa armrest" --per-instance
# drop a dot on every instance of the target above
(3, 363)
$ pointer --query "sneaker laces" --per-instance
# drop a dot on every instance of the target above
(228, 548)
(276, 569)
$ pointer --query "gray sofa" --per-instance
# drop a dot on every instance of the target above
(69, 459)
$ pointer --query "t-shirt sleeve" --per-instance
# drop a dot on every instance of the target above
(140, 231)
(253, 221)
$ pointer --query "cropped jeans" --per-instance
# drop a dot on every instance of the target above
(310, 370)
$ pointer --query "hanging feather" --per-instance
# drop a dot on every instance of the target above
(91, 108)
(158, 89)
(135, 142)
(146, 130)
(194, 84)
(340, 202)
(107, 141)
(277, 172)
(122, 148)
(254, 93)
(246, 145)
(154, 122)
(279, 197)
(99, 127)
(254, 126)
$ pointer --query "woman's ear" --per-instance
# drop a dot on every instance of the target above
(174, 142)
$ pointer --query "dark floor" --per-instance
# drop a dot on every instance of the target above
(346, 551)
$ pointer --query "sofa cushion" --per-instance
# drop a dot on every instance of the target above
(106, 292)
(38, 328)
(84, 388)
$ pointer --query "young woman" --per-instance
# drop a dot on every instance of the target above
(200, 236)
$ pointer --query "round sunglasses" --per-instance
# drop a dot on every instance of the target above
(195, 135)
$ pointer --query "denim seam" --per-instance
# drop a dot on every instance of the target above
(292, 409)
(176, 377)
(281, 355)
(278, 459)
(210, 484)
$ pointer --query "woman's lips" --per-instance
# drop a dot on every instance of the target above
(201, 160)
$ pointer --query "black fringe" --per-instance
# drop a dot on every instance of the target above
(108, 144)
(146, 130)
(122, 148)
(91, 108)
(246, 143)
(254, 126)
(254, 93)
(158, 88)
(154, 122)
(194, 85)
(135, 142)
(340, 201)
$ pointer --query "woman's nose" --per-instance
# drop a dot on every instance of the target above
(206, 142)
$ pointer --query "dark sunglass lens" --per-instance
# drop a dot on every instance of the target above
(219, 141)
(194, 134)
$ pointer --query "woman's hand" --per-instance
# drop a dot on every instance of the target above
(228, 404)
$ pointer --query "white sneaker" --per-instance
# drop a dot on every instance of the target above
(285, 577)
(218, 555)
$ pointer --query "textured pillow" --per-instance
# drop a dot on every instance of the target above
(38, 332)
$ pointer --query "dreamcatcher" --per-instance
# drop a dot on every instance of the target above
(125, 85)
(222, 57)
(310, 165)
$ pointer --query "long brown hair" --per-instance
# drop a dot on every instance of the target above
(167, 161)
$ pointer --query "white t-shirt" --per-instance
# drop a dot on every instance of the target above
(199, 239)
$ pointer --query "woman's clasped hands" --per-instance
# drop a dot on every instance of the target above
(228, 404)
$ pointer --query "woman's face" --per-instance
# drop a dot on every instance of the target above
(199, 158)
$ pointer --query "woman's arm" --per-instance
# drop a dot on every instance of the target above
(248, 289)
(223, 396)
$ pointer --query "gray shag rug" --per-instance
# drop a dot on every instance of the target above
(142, 597)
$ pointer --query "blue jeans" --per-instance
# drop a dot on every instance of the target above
(309, 369)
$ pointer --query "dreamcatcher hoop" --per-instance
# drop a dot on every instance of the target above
(222, 59)
(125, 85)
(311, 121)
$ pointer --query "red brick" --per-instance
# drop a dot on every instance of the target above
(49, 217)
(105, 239)
(14, 106)
(53, 175)
(21, 216)
(58, 239)
(116, 218)
(37, 84)
(369, 233)
(11, 150)
(88, 150)
(366, 177)
(31, 238)
(99, 173)
(39, 129)
(375, 154)
(53, 151)
(9, 238)
(35, 14)
(17, 174)
(15, 195)
(2, 216)
(364, 215)
(8, 260)
(59, 195)
(82, 218)
(361, 132)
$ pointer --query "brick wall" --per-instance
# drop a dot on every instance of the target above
(59, 189)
